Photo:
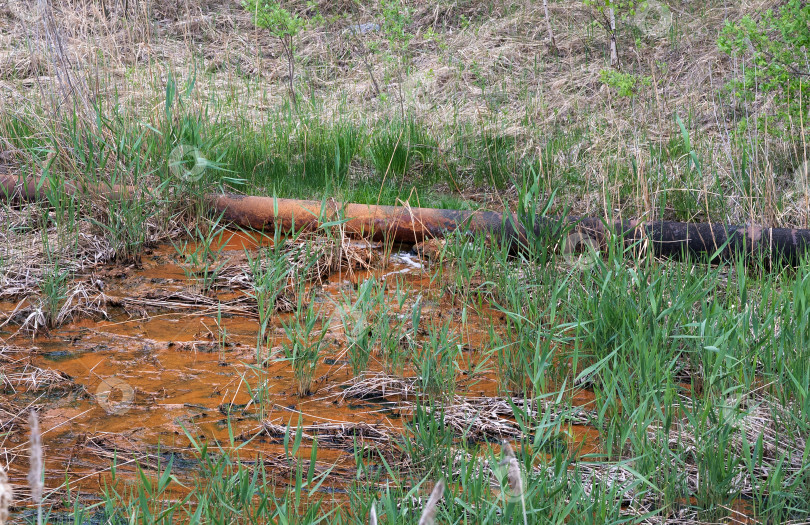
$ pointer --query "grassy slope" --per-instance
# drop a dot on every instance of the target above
(488, 95)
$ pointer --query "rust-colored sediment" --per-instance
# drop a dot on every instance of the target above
(185, 381)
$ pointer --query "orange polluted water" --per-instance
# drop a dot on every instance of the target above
(141, 387)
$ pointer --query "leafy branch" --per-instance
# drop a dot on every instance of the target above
(281, 24)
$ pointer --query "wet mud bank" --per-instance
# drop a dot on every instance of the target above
(170, 357)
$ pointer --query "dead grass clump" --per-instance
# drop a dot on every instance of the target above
(338, 434)
(185, 301)
(114, 445)
(317, 257)
(476, 421)
(750, 418)
(332, 7)
(493, 418)
(34, 314)
(483, 418)
(21, 65)
(18, 374)
(379, 385)
(26, 249)
(33, 378)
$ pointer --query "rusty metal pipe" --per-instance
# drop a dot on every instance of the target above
(19, 189)
(396, 223)
(411, 225)
(15, 190)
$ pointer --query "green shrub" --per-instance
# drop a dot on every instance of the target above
(775, 52)
(283, 25)
(627, 84)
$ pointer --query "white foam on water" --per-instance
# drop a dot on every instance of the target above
(410, 261)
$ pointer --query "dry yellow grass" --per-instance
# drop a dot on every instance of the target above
(474, 63)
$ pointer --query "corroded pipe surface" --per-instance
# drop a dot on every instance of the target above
(14, 189)
(713, 240)
(20, 189)
(397, 223)
(411, 225)
(404, 224)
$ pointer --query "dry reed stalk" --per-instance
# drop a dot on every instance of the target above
(73, 89)
(35, 470)
(372, 515)
(6, 497)
(429, 513)
(515, 477)
(548, 24)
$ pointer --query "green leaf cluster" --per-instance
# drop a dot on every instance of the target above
(627, 84)
(272, 16)
(625, 8)
(775, 48)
